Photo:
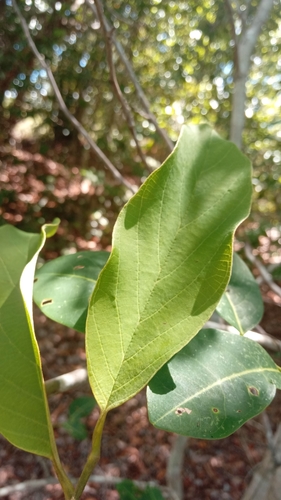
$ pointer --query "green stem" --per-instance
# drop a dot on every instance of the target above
(67, 486)
(93, 458)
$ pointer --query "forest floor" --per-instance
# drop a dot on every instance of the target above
(132, 447)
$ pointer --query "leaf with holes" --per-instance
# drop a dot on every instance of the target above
(63, 287)
(24, 415)
(212, 386)
(169, 265)
(241, 305)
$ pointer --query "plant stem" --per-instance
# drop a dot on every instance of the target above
(64, 480)
(93, 458)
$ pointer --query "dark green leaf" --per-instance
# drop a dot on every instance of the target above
(128, 491)
(241, 305)
(212, 386)
(63, 286)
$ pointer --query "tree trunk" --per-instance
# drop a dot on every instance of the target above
(244, 47)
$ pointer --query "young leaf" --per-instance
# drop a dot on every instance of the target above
(241, 305)
(63, 287)
(170, 263)
(128, 491)
(24, 416)
(79, 408)
(212, 386)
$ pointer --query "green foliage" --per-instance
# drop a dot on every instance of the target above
(54, 292)
(128, 491)
(78, 409)
(241, 305)
(63, 286)
(170, 263)
(182, 54)
(24, 416)
(168, 270)
(212, 386)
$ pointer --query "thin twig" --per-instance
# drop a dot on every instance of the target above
(123, 101)
(27, 486)
(36, 484)
(68, 381)
(263, 339)
(150, 116)
(63, 106)
(232, 22)
(263, 271)
(78, 379)
(115, 13)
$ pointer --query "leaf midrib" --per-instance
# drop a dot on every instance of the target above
(115, 377)
(215, 384)
(72, 276)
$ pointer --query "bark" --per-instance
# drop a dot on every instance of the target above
(244, 48)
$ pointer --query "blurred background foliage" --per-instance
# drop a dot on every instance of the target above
(182, 53)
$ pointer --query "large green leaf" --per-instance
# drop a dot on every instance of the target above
(241, 305)
(24, 416)
(63, 287)
(212, 386)
(170, 263)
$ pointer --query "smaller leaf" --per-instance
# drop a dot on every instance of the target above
(212, 386)
(241, 305)
(76, 429)
(63, 286)
(152, 494)
(129, 491)
(79, 408)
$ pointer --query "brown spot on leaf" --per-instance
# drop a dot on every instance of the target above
(46, 301)
(180, 411)
(78, 267)
(215, 410)
(35, 279)
(253, 390)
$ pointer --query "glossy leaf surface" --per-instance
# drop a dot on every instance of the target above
(63, 287)
(24, 416)
(170, 263)
(212, 386)
(241, 305)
